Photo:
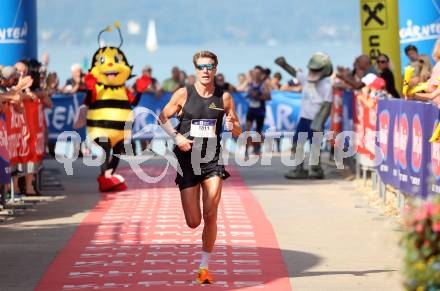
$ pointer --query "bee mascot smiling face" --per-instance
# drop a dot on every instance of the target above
(109, 115)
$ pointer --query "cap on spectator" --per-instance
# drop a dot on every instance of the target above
(373, 81)
(369, 78)
(75, 67)
(146, 68)
(9, 72)
(378, 84)
(320, 66)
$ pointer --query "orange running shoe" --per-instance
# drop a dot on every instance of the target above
(204, 277)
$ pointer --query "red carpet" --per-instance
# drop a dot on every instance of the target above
(138, 240)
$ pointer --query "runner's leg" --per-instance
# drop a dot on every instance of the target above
(190, 198)
(249, 122)
(212, 188)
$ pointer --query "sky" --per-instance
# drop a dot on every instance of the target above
(243, 32)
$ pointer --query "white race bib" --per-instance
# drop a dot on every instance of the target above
(254, 103)
(203, 127)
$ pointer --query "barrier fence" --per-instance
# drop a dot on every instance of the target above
(393, 140)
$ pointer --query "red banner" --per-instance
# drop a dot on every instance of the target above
(336, 113)
(36, 125)
(364, 120)
(5, 169)
(26, 129)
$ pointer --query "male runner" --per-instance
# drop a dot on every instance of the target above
(258, 94)
(201, 109)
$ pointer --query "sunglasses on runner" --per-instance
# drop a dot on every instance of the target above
(210, 67)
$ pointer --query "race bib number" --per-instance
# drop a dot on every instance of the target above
(254, 103)
(203, 128)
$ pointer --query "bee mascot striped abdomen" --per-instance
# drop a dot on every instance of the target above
(109, 114)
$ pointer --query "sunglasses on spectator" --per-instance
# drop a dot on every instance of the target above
(382, 61)
(201, 67)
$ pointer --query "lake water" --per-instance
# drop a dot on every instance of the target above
(233, 59)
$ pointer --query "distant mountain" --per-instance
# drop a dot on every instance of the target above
(197, 22)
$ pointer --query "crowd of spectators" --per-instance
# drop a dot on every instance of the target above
(23, 87)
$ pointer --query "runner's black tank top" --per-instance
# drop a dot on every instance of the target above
(198, 107)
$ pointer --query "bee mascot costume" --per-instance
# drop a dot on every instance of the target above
(109, 104)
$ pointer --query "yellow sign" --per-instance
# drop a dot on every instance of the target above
(380, 32)
(374, 14)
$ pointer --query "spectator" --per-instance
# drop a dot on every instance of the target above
(434, 80)
(433, 91)
(421, 64)
(173, 83)
(362, 66)
(266, 74)
(316, 102)
(293, 85)
(182, 78)
(220, 82)
(76, 82)
(243, 83)
(11, 85)
(436, 51)
(191, 80)
(258, 94)
(275, 83)
(154, 87)
(426, 68)
(44, 68)
(22, 67)
(29, 169)
(373, 91)
(383, 67)
(52, 82)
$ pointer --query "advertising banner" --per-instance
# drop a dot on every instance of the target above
(419, 26)
(18, 31)
(380, 31)
(405, 128)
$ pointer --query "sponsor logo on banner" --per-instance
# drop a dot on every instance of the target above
(403, 140)
(417, 143)
(435, 157)
(14, 34)
(396, 141)
(374, 14)
(384, 129)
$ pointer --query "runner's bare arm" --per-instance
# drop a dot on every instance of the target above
(266, 91)
(173, 106)
(231, 115)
